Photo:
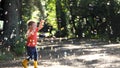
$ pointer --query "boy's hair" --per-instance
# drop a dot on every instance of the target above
(30, 23)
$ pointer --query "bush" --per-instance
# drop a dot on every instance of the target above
(4, 56)
(19, 47)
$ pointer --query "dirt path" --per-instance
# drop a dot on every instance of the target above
(73, 54)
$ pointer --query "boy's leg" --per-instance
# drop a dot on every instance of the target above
(29, 53)
(35, 64)
(35, 58)
(35, 54)
(24, 63)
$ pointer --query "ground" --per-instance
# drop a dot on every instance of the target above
(72, 53)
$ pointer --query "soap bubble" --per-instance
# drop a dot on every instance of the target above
(16, 9)
(9, 4)
(65, 54)
(5, 38)
(6, 12)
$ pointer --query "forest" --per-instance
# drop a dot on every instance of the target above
(80, 19)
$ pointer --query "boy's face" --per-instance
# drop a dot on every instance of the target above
(34, 25)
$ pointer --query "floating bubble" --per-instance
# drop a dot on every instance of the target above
(5, 38)
(55, 50)
(13, 30)
(72, 42)
(71, 4)
(40, 56)
(50, 57)
(9, 4)
(83, 34)
(14, 59)
(23, 3)
(2, 32)
(6, 12)
(16, 9)
(17, 42)
(21, 39)
(20, 22)
(108, 3)
(83, 53)
(50, 54)
(58, 56)
(70, 50)
(7, 21)
(42, 47)
(65, 54)
(52, 40)
(15, 35)
(3, 53)
(11, 36)
(8, 49)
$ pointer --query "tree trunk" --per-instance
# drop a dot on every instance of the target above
(11, 17)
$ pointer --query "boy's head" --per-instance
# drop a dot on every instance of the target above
(32, 25)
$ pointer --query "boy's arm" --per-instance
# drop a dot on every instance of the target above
(28, 34)
(40, 25)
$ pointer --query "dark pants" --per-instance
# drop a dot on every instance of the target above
(32, 53)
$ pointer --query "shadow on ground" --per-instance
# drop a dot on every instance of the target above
(73, 53)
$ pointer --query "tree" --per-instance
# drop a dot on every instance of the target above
(61, 18)
(12, 21)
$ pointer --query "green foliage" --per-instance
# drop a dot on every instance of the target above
(6, 56)
(93, 17)
(26, 9)
(19, 47)
(78, 18)
(51, 13)
(62, 18)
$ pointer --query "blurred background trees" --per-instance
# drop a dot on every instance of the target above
(89, 18)
(98, 19)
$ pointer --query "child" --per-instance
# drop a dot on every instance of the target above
(32, 42)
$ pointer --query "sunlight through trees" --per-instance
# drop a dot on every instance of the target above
(66, 21)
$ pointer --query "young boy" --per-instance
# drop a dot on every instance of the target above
(32, 42)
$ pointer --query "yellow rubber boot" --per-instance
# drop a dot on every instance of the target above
(35, 64)
(24, 63)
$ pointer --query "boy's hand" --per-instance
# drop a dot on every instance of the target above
(42, 21)
(41, 25)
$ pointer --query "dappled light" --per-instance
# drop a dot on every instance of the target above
(80, 54)
(73, 53)
(73, 33)
(74, 56)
